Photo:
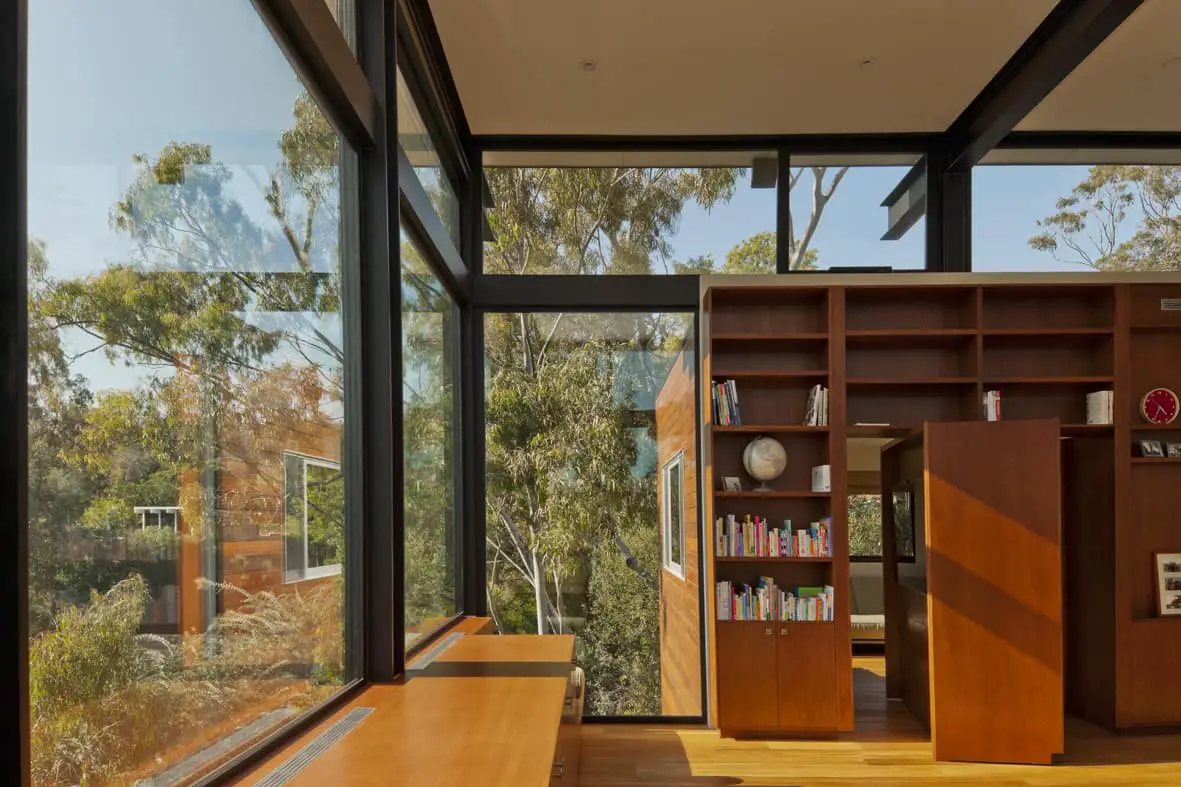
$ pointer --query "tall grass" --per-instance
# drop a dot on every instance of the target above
(107, 700)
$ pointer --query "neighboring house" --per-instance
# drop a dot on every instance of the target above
(279, 516)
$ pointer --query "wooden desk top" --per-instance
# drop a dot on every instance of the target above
(485, 712)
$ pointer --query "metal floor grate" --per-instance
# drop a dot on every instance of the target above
(322, 742)
(432, 654)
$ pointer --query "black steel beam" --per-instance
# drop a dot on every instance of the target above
(1093, 140)
(381, 326)
(585, 293)
(783, 214)
(423, 50)
(420, 214)
(14, 451)
(949, 215)
(1064, 39)
(798, 144)
(312, 40)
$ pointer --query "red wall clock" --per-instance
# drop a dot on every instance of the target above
(1160, 406)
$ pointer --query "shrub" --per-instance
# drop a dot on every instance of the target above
(108, 702)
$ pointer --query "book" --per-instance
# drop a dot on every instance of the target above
(816, 412)
(822, 478)
(992, 405)
(1100, 408)
(725, 403)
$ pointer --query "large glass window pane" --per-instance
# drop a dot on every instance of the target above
(345, 14)
(1072, 218)
(620, 213)
(186, 366)
(840, 219)
(423, 154)
(429, 347)
(583, 413)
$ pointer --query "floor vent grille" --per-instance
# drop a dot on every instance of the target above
(322, 742)
(432, 654)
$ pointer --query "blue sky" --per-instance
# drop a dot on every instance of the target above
(1007, 202)
(106, 82)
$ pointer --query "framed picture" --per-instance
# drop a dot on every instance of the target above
(1173, 450)
(1152, 448)
(1168, 583)
(731, 483)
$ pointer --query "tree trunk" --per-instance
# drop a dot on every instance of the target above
(539, 598)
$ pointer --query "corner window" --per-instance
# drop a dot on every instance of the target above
(672, 514)
(865, 527)
(313, 496)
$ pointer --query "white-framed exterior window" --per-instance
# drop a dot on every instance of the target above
(672, 514)
(158, 516)
(313, 517)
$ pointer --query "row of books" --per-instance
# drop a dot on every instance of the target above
(1100, 407)
(754, 537)
(726, 412)
(817, 412)
(767, 601)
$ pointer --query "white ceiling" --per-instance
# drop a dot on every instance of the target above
(1131, 82)
(667, 67)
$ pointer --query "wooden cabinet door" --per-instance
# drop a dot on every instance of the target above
(746, 676)
(806, 661)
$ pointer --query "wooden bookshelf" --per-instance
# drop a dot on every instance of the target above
(900, 355)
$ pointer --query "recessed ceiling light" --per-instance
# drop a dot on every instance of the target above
(587, 65)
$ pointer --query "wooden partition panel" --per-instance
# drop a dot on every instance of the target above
(680, 596)
(993, 535)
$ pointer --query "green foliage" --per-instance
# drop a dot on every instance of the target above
(577, 220)
(621, 641)
(91, 652)
(865, 525)
(1093, 225)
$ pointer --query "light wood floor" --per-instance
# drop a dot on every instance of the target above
(888, 748)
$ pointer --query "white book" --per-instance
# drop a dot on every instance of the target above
(823, 407)
(1099, 407)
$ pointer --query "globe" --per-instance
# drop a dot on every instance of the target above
(765, 460)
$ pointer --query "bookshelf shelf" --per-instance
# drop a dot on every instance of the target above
(744, 428)
(1081, 380)
(915, 333)
(773, 495)
(727, 621)
(1173, 427)
(913, 381)
(744, 374)
(1035, 333)
(1087, 428)
(733, 559)
(769, 337)
(1156, 460)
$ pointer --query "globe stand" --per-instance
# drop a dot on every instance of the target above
(764, 460)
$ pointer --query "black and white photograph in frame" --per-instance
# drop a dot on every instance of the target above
(731, 483)
(1152, 448)
(1173, 450)
(1168, 582)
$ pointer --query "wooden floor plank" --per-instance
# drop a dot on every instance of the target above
(887, 748)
